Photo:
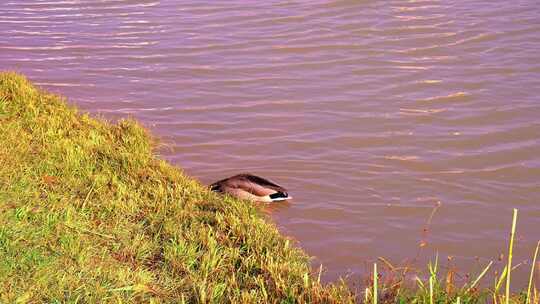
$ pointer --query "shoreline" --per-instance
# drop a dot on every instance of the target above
(88, 212)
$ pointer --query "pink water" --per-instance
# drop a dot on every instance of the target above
(370, 112)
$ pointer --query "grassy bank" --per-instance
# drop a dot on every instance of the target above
(88, 214)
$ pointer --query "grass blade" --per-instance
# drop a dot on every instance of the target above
(479, 277)
(430, 290)
(319, 276)
(374, 283)
(510, 249)
(501, 278)
(420, 284)
(532, 273)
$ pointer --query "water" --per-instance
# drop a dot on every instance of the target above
(370, 112)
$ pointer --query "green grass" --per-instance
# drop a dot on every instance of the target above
(434, 286)
(88, 214)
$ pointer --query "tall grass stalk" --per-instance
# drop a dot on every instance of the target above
(480, 277)
(375, 277)
(533, 267)
(431, 290)
(510, 250)
(498, 283)
(366, 295)
(433, 276)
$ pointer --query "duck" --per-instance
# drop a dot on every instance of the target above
(251, 187)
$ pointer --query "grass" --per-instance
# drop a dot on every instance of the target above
(531, 276)
(435, 287)
(88, 214)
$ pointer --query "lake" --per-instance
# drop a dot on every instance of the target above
(371, 113)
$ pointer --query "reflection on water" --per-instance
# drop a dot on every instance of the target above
(371, 112)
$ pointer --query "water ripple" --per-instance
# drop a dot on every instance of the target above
(370, 111)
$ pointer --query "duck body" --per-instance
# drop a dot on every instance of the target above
(251, 187)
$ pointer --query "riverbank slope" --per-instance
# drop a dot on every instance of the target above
(89, 214)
